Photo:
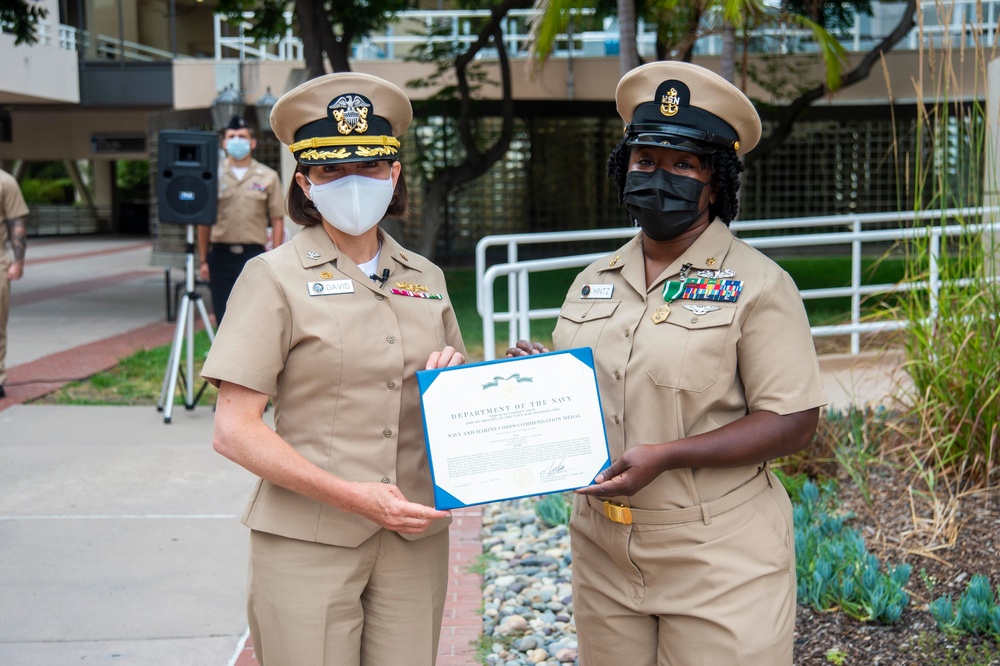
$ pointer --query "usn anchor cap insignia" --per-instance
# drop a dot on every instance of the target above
(670, 103)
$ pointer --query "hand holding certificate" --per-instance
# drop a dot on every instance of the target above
(513, 428)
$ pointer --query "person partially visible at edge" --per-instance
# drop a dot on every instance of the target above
(348, 561)
(683, 549)
(250, 201)
(13, 212)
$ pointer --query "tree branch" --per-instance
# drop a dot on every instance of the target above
(790, 113)
(491, 32)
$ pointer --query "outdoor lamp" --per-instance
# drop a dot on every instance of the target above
(263, 110)
(229, 103)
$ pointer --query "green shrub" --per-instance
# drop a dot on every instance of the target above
(977, 611)
(55, 191)
(834, 569)
(554, 510)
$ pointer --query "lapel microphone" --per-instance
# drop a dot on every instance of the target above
(381, 280)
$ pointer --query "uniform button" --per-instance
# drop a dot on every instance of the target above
(385, 479)
(391, 339)
(617, 420)
(694, 320)
(391, 385)
(387, 432)
(618, 375)
(379, 297)
(626, 334)
(583, 316)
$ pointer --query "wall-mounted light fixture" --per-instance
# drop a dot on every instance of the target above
(263, 110)
(229, 103)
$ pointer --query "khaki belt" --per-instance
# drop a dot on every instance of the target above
(626, 515)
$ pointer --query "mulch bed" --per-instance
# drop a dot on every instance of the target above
(886, 521)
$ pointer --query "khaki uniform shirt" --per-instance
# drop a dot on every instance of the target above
(12, 206)
(247, 205)
(695, 371)
(340, 369)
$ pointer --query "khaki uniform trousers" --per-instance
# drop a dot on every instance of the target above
(380, 604)
(716, 589)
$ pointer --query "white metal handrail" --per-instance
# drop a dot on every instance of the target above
(519, 314)
(115, 49)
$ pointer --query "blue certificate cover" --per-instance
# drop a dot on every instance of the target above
(514, 427)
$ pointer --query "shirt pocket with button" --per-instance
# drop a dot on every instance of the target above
(421, 322)
(694, 347)
(581, 322)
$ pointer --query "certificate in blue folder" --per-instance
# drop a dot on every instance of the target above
(511, 428)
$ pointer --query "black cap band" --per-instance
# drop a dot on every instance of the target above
(676, 136)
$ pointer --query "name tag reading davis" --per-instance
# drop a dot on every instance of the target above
(597, 290)
(328, 287)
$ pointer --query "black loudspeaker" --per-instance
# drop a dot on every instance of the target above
(187, 182)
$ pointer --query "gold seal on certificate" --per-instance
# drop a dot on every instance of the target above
(511, 428)
(523, 477)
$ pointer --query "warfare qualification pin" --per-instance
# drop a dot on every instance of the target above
(661, 313)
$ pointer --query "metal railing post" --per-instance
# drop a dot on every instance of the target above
(856, 286)
(218, 36)
(934, 284)
(524, 322)
(512, 293)
(489, 321)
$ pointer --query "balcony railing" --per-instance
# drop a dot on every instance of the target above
(107, 48)
(955, 24)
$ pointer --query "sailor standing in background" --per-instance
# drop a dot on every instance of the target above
(250, 200)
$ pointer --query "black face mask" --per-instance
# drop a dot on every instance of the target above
(663, 204)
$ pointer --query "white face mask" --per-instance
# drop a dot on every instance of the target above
(352, 204)
(238, 147)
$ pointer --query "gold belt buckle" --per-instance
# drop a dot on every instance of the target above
(618, 513)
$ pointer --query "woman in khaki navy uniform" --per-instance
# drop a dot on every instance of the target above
(683, 550)
(348, 562)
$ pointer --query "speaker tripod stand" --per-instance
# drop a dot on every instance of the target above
(184, 335)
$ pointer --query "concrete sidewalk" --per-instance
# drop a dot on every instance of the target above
(119, 539)
(119, 534)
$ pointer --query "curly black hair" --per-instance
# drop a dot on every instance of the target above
(726, 169)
